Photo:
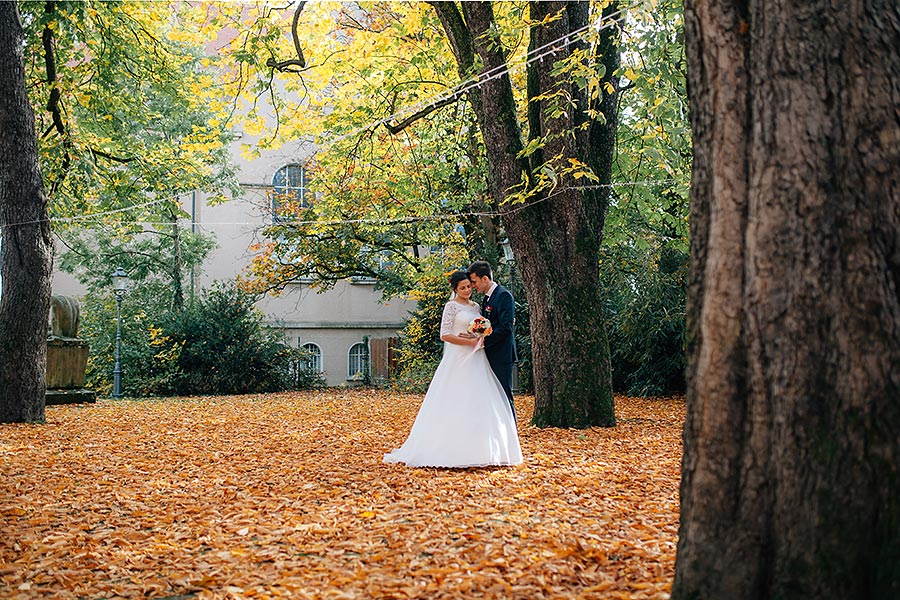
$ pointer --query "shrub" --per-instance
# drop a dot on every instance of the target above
(645, 293)
(421, 347)
(225, 347)
(218, 345)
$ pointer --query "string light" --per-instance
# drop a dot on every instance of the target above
(418, 218)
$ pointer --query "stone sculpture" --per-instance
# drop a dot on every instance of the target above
(64, 317)
(66, 354)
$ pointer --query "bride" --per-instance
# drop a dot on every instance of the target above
(465, 419)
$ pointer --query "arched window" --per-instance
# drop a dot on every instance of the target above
(358, 362)
(290, 186)
(314, 360)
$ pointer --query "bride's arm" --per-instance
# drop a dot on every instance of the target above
(458, 339)
(447, 335)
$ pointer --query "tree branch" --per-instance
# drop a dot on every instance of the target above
(300, 61)
(54, 106)
(395, 127)
(461, 44)
(50, 62)
(107, 156)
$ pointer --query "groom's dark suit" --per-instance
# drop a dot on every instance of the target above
(500, 346)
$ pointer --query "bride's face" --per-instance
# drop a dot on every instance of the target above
(464, 289)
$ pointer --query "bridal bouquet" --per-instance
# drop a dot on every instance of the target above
(480, 327)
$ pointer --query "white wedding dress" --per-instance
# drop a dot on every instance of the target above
(465, 419)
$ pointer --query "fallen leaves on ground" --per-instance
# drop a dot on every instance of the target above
(285, 496)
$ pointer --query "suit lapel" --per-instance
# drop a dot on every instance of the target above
(494, 297)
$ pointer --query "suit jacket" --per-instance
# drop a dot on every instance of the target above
(500, 310)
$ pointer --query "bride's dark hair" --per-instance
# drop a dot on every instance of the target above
(456, 278)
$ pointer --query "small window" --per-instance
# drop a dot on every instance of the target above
(358, 363)
(314, 360)
(290, 188)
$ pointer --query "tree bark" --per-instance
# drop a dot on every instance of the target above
(556, 235)
(26, 258)
(791, 473)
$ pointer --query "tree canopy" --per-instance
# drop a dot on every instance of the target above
(121, 95)
(400, 164)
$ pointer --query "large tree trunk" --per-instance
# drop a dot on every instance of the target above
(791, 472)
(556, 235)
(26, 258)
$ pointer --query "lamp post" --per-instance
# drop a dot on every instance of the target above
(119, 281)
(510, 260)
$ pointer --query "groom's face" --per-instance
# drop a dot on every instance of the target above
(482, 284)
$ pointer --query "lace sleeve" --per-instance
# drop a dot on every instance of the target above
(448, 317)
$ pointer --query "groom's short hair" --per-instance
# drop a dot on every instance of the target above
(481, 268)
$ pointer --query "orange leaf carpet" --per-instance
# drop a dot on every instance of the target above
(285, 496)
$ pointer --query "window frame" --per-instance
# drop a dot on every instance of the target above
(362, 357)
(320, 360)
(301, 192)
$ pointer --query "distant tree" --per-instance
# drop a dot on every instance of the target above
(124, 109)
(26, 254)
(791, 469)
(126, 127)
(388, 203)
(163, 255)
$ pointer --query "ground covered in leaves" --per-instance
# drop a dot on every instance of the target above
(286, 496)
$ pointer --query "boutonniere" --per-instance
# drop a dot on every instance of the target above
(488, 309)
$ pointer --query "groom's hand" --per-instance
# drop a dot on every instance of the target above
(467, 335)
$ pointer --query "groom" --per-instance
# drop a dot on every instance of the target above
(498, 307)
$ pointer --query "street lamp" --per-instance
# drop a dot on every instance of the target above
(120, 282)
(510, 260)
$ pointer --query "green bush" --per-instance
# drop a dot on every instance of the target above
(645, 292)
(217, 345)
(220, 346)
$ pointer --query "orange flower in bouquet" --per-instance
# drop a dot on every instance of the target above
(480, 327)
